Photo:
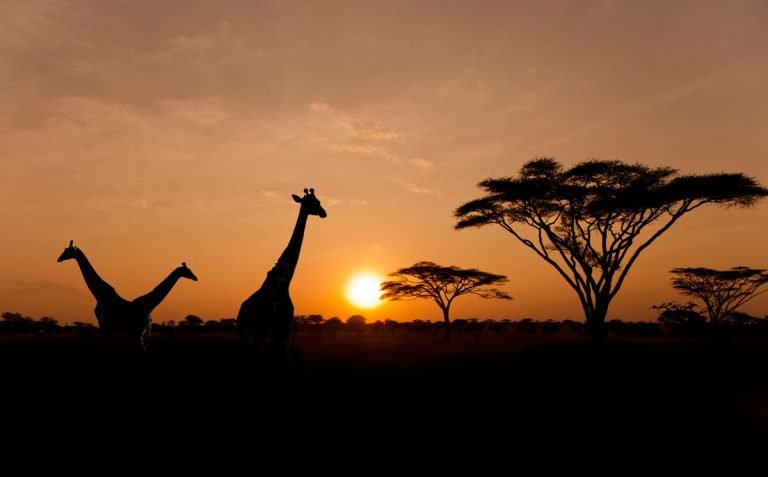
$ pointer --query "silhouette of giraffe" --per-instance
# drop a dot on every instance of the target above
(268, 313)
(113, 312)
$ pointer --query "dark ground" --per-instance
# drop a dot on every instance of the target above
(557, 391)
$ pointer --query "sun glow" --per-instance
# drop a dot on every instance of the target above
(363, 290)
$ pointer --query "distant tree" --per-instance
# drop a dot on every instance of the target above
(681, 318)
(48, 325)
(193, 320)
(721, 291)
(192, 323)
(16, 323)
(307, 323)
(377, 327)
(391, 326)
(85, 330)
(332, 325)
(356, 324)
(441, 284)
(592, 221)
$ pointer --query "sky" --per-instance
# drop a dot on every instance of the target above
(156, 132)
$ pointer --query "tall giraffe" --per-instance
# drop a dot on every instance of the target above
(268, 313)
(113, 312)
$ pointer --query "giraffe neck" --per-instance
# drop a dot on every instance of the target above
(286, 264)
(98, 287)
(150, 301)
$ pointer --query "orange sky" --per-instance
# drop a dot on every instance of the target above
(155, 132)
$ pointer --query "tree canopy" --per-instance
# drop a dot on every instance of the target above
(592, 221)
(721, 291)
(442, 284)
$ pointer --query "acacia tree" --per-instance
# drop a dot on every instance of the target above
(442, 284)
(591, 222)
(721, 291)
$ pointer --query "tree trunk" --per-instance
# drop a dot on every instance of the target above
(596, 322)
(447, 324)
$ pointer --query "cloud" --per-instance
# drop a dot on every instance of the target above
(198, 113)
(332, 201)
(271, 195)
(423, 163)
(369, 131)
(419, 189)
(148, 204)
(320, 107)
(365, 149)
(43, 286)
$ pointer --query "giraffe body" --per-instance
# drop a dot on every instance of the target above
(267, 315)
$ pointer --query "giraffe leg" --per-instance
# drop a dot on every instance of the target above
(282, 335)
(255, 341)
(143, 338)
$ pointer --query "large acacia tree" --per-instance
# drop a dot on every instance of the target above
(721, 291)
(592, 221)
(441, 284)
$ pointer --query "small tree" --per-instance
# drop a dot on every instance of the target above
(442, 284)
(721, 291)
(356, 324)
(591, 222)
(680, 318)
(192, 323)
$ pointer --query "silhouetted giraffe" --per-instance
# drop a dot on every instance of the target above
(113, 312)
(268, 313)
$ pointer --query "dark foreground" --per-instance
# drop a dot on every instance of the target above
(475, 391)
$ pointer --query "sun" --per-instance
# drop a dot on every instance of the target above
(363, 290)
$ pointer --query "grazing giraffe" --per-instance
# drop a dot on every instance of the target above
(268, 313)
(113, 312)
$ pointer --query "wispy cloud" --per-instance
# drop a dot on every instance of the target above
(43, 286)
(332, 201)
(369, 130)
(270, 194)
(362, 148)
(320, 107)
(422, 163)
(419, 188)
(352, 134)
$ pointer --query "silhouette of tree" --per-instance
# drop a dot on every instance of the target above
(442, 284)
(193, 320)
(588, 222)
(332, 325)
(193, 323)
(16, 323)
(721, 291)
(356, 324)
(681, 318)
(48, 325)
(85, 330)
(391, 326)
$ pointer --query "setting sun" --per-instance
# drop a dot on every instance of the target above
(363, 290)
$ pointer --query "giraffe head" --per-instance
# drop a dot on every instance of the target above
(185, 272)
(310, 203)
(69, 253)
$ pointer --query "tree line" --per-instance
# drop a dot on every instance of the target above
(674, 320)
